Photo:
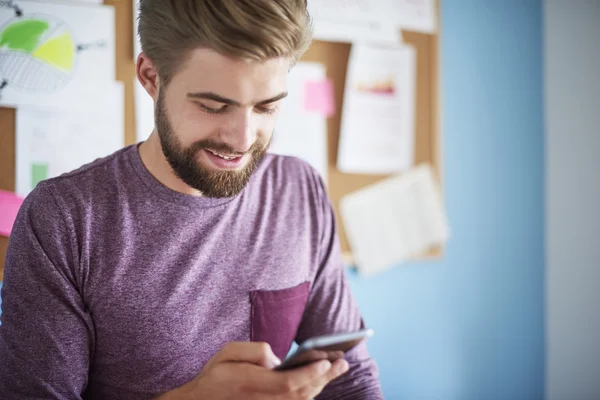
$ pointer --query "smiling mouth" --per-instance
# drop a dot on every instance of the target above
(223, 156)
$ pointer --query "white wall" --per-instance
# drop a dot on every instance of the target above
(572, 100)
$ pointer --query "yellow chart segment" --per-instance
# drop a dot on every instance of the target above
(58, 51)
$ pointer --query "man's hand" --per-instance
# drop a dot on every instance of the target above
(243, 370)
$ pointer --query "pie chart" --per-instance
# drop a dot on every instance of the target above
(37, 53)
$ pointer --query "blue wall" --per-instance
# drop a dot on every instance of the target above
(471, 326)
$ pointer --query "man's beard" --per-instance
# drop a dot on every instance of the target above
(184, 161)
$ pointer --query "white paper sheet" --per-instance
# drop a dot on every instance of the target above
(298, 131)
(378, 121)
(414, 15)
(352, 21)
(67, 46)
(53, 139)
(144, 112)
(370, 21)
(394, 220)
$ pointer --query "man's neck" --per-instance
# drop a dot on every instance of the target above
(155, 162)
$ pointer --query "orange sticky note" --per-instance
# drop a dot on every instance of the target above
(318, 97)
(9, 207)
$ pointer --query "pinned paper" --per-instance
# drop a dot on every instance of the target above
(306, 140)
(52, 50)
(318, 97)
(9, 208)
(355, 21)
(395, 220)
(379, 100)
(55, 139)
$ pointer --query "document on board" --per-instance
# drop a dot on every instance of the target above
(144, 112)
(301, 127)
(352, 21)
(50, 51)
(372, 21)
(413, 15)
(394, 220)
(377, 132)
(55, 139)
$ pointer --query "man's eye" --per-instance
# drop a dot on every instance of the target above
(267, 110)
(211, 110)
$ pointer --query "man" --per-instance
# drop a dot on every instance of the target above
(185, 267)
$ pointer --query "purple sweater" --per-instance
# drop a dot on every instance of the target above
(118, 287)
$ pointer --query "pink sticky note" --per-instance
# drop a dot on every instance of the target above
(318, 97)
(9, 207)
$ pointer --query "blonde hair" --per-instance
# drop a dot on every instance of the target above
(244, 29)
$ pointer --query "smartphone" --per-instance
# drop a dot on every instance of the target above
(327, 347)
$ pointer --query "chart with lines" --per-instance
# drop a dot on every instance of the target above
(49, 51)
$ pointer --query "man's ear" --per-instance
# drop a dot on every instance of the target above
(147, 75)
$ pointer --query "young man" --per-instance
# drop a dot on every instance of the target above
(185, 267)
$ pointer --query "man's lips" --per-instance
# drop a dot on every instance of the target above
(224, 161)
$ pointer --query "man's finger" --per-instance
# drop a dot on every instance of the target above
(337, 369)
(281, 382)
(309, 379)
(294, 379)
(258, 353)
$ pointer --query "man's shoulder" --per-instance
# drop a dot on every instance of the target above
(97, 177)
(288, 183)
(289, 169)
(98, 168)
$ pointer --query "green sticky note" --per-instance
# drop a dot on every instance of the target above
(39, 172)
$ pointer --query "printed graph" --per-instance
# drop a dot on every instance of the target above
(37, 52)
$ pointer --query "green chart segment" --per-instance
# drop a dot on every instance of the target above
(52, 45)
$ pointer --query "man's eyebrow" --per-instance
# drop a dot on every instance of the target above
(220, 99)
(272, 99)
(213, 97)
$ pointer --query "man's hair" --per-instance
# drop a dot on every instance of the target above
(244, 29)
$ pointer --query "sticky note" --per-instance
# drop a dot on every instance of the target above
(39, 172)
(9, 207)
(318, 97)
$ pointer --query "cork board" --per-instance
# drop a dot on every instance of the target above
(333, 55)
(427, 144)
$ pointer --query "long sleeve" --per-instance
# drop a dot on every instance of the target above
(331, 308)
(46, 336)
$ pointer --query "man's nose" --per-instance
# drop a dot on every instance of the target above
(240, 132)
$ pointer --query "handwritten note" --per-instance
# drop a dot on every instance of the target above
(9, 207)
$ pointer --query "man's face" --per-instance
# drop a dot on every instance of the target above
(216, 117)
